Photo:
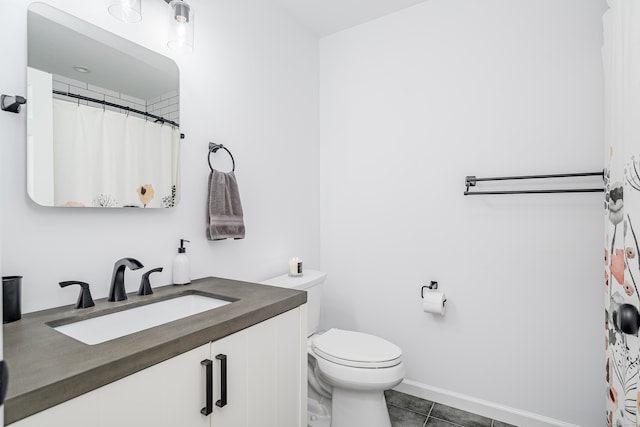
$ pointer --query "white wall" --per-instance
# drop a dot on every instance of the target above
(251, 84)
(412, 103)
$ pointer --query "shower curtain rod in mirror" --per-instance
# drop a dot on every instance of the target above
(123, 107)
(470, 181)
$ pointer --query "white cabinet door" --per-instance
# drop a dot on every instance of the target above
(169, 394)
(266, 372)
(77, 412)
(234, 411)
(276, 372)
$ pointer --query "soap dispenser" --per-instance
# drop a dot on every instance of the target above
(181, 270)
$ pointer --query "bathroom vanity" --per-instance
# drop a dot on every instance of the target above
(159, 376)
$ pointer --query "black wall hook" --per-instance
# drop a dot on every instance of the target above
(12, 103)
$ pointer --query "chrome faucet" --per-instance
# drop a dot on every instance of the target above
(117, 291)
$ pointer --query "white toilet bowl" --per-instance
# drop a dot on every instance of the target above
(358, 367)
(348, 371)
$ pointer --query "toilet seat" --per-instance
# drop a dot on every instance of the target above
(356, 349)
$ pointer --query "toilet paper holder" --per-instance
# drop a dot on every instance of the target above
(433, 286)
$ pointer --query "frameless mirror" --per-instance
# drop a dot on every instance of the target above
(102, 117)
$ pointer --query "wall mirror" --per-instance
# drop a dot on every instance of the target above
(102, 117)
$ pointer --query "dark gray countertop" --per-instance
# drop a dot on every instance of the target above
(47, 368)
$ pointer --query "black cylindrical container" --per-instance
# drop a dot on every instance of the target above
(11, 298)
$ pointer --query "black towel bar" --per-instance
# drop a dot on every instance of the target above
(470, 181)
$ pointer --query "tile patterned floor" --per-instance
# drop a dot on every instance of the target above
(409, 411)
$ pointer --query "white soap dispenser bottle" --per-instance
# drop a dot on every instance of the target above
(181, 268)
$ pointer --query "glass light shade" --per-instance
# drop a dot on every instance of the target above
(129, 11)
(181, 19)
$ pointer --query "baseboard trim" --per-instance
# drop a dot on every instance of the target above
(485, 408)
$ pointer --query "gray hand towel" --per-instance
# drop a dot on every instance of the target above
(224, 210)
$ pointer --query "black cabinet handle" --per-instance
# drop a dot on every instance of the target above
(223, 380)
(207, 410)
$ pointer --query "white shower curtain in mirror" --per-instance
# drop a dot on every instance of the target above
(109, 159)
(621, 57)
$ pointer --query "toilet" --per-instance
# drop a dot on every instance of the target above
(348, 371)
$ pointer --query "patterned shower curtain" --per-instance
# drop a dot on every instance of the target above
(621, 57)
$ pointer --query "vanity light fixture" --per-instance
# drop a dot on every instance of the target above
(128, 11)
(180, 35)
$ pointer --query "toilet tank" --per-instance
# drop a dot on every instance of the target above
(310, 281)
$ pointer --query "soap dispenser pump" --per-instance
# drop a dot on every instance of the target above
(181, 270)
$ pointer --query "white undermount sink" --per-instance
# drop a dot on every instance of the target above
(114, 325)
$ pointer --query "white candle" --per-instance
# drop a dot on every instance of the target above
(295, 267)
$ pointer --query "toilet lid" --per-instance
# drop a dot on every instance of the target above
(356, 349)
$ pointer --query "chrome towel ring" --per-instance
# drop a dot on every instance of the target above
(213, 148)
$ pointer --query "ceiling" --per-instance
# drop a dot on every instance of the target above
(324, 17)
(57, 41)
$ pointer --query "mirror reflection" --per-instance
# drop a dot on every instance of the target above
(102, 117)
